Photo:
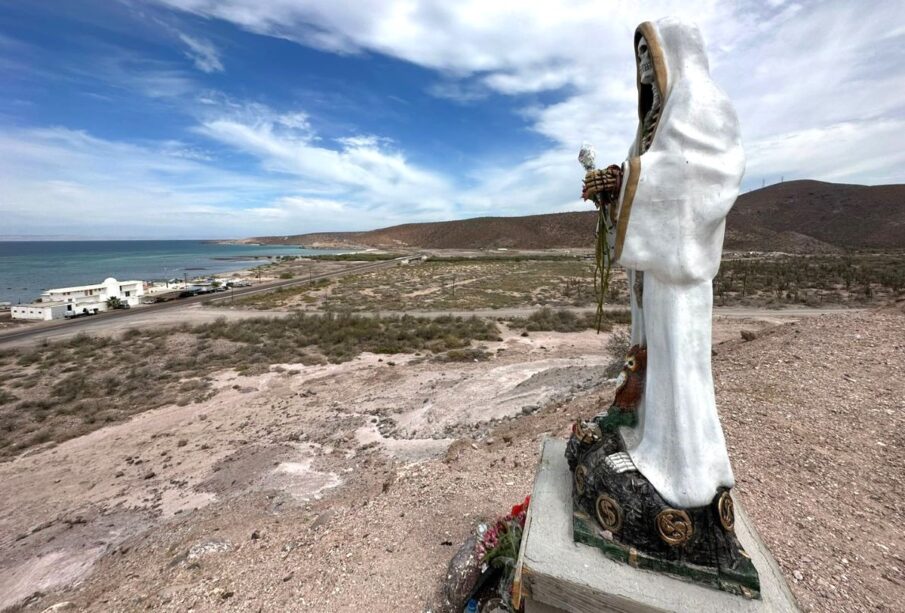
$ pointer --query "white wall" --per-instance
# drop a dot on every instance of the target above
(39, 312)
(96, 296)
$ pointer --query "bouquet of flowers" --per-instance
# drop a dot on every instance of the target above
(498, 547)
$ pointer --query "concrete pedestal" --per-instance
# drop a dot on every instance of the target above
(555, 574)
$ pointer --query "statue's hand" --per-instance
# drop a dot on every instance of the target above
(602, 185)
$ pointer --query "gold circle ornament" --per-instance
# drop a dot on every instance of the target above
(726, 509)
(581, 475)
(674, 526)
(609, 513)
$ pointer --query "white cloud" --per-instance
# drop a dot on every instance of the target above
(826, 153)
(203, 53)
(459, 91)
(816, 86)
(128, 70)
(66, 182)
(365, 166)
(58, 181)
(789, 67)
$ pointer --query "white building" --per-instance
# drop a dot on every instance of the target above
(80, 300)
(41, 310)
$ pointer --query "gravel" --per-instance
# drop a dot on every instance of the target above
(814, 414)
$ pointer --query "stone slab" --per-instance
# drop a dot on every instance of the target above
(555, 574)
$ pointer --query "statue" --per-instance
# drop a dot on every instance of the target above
(653, 470)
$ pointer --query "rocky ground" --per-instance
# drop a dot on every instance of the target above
(348, 487)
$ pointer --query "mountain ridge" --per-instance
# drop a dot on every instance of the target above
(802, 216)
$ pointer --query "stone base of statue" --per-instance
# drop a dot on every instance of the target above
(617, 510)
(569, 562)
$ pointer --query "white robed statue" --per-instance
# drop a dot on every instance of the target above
(671, 198)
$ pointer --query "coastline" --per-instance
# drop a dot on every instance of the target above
(28, 268)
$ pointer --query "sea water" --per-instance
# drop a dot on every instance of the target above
(29, 267)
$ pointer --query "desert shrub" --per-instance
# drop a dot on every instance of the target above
(564, 320)
(356, 257)
(160, 366)
(34, 405)
(468, 354)
(617, 347)
(28, 358)
(71, 387)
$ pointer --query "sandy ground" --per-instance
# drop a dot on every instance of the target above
(348, 487)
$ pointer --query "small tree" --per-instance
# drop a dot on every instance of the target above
(114, 303)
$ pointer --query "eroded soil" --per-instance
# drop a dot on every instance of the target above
(348, 487)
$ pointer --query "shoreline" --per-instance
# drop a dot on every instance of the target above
(31, 268)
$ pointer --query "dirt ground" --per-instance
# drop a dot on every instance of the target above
(348, 487)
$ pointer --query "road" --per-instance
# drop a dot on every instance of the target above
(128, 318)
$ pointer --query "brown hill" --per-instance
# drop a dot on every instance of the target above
(795, 217)
(531, 232)
(804, 216)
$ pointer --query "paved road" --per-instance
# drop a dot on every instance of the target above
(128, 318)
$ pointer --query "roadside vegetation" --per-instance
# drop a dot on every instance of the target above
(564, 320)
(497, 281)
(810, 280)
(306, 294)
(58, 391)
(449, 284)
(360, 256)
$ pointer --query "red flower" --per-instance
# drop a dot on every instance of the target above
(521, 508)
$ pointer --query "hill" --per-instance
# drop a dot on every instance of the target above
(796, 217)
(531, 232)
(812, 216)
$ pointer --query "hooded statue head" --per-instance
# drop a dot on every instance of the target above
(687, 146)
(681, 77)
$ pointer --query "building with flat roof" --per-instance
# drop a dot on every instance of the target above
(41, 310)
(80, 300)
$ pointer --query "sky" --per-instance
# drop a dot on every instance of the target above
(236, 118)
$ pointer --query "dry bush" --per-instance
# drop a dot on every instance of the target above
(564, 320)
(55, 392)
(617, 347)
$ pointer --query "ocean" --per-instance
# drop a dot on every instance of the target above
(29, 267)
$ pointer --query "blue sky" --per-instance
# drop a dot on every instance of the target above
(231, 118)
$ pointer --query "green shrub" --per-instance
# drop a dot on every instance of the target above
(563, 320)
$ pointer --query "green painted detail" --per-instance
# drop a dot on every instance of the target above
(742, 581)
(616, 418)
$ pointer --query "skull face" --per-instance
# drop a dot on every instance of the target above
(645, 64)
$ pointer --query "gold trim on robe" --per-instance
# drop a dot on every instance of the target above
(649, 32)
(634, 173)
